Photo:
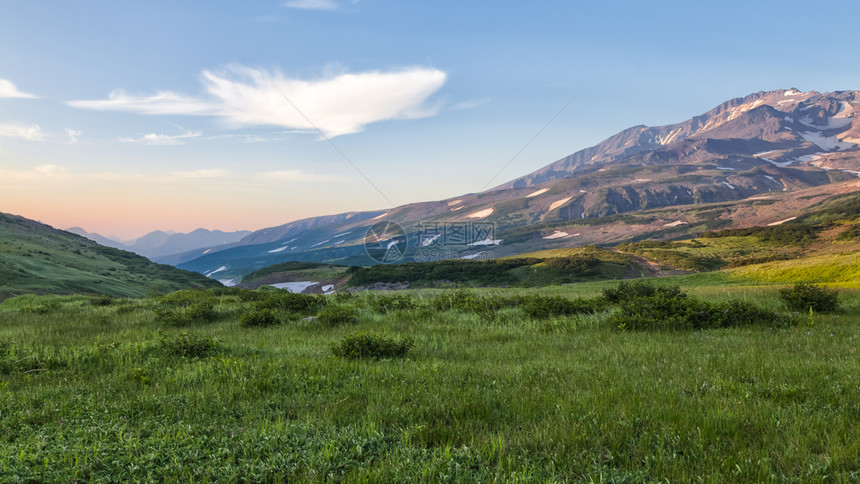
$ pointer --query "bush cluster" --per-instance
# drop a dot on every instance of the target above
(385, 303)
(643, 307)
(259, 317)
(371, 345)
(543, 307)
(337, 315)
(199, 312)
(189, 345)
(810, 297)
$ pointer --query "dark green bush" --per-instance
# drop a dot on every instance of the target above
(371, 345)
(188, 345)
(200, 312)
(259, 317)
(627, 291)
(543, 307)
(294, 303)
(645, 307)
(101, 300)
(806, 297)
(337, 315)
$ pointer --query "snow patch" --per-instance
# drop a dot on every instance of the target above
(641, 180)
(675, 223)
(846, 110)
(279, 249)
(341, 235)
(481, 213)
(472, 256)
(207, 251)
(487, 241)
(828, 143)
(725, 168)
(379, 216)
(321, 243)
(558, 234)
(793, 92)
(729, 185)
(228, 282)
(454, 202)
(426, 242)
(457, 208)
(328, 288)
(295, 287)
(539, 192)
(220, 269)
(781, 222)
(772, 179)
(559, 203)
(809, 158)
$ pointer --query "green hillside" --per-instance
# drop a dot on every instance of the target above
(38, 259)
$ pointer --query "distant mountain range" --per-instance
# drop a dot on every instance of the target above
(160, 245)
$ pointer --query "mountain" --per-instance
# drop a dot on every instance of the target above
(102, 240)
(39, 259)
(757, 159)
(167, 247)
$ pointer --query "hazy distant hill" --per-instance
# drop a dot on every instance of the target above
(753, 160)
(160, 245)
(38, 259)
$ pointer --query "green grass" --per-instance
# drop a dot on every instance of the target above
(37, 259)
(90, 391)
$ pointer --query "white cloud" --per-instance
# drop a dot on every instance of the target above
(73, 135)
(312, 4)
(337, 105)
(298, 176)
(7, 89)
(31, 133)
(163, 139)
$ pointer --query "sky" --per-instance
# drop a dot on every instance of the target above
(127, 117)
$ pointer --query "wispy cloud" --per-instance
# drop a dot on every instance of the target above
(313, 4)
(8, 90)
(61, 174)
(163, 139)
(298, 176)
(470, 104)
(73, 135)
(337, 105)
(31, 133)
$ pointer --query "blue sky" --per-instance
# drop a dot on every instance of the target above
(127, 117)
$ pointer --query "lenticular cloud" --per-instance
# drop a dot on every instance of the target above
(342, 104)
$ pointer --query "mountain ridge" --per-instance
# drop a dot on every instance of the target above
(753, 146)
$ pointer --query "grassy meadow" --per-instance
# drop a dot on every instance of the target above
(242, 386)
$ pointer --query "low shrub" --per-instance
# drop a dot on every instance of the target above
(806, 297)
(543, 307)
(291, 302)
(101, 300)
(199, 312)
(259, 317)
(371, 345)
(189, 345)
(337, 315)
(627, 291)
(644, 308)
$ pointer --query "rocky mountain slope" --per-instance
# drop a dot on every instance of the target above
(748, 156)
